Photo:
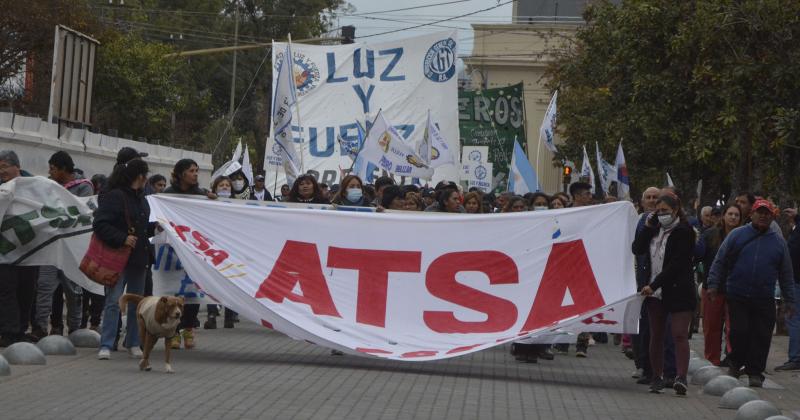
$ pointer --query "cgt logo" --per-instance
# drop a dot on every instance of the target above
(297, 276)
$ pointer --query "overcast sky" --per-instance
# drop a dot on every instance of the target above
(368, 24)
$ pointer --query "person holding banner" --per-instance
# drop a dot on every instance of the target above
(515, 204)
(306, 190)
(669, 240)
(121, 210)
(393, 198)
(222, 188)
(17, 283)
(184, 181)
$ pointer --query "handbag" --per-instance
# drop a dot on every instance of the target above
(103, 264)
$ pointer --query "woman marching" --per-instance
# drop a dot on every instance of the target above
(669, 240)
(122, 220)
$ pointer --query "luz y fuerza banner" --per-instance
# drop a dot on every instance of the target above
(340, 87)
(374, 284)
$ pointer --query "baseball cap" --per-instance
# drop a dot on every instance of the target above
(126, 154)
(259, 177)
(761, 203)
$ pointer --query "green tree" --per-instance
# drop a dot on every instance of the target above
(136, 88)
(703, 89)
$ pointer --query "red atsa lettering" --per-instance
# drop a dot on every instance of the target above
(201, 243)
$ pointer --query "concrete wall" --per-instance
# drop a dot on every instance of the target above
(35, 141)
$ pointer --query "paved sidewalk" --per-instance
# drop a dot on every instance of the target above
(251, 372)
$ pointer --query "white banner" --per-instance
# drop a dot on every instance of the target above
(44, 224)
(478, 174)
(339, 86)
(474, 154)
(169, 277)
(472, 282)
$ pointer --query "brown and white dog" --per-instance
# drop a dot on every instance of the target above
(157, 317)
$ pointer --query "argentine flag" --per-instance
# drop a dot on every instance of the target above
(523, 178)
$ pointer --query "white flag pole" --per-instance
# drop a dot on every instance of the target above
(297, 108)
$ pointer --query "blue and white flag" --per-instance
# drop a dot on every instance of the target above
(547, 130)
(385, 148)
(623, 181)
(283, 102)
(606, 171)
(433, 148)
(523, 178)
(586, 169)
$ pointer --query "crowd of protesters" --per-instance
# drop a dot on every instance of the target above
(725, 267)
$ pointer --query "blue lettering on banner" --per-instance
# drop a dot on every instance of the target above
(385, 164)
(330, 141)
(185, 283)
(357, 72)
(332, 69)
(403, 169)
(396, 54)
(364, 96)
(170, 256)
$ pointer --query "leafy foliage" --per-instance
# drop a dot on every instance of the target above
(703, 90)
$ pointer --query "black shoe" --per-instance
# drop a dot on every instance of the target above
(546, 354)
(57, 331)
(38, 332)
(657, 386)
(644, 380)
(725, 363)
(210, 324)
(736, 372)
(788, 366)
(756, 381)
(629, 353)
(680, 386)
(581, 351)
(228, 323)
(7, 340)
(669, 382)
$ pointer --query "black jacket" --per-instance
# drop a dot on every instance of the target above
(267, 195)
(111, 226)
(794, 250)
(676, 277)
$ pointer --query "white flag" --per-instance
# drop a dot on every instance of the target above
(606, 171)
(669, 181)
(247, 168)
(283, 101)
(547, 130)
(586, 169)
(385, 148)
(439, 152)
(623, 181)
(237, 153)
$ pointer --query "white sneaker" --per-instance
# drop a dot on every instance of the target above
(134, 352)
(104, 354)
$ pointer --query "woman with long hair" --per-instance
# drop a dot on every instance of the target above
(184, 180)
(670, 292)
(122, 220)
(351, 193)
(715, 312)
(306, 190)
(448, 200)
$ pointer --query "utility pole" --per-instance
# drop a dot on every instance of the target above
(235, 43)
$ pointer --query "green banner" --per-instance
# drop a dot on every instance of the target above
(493, 117)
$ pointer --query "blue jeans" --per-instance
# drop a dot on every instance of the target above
(793, 325)
(134, 279)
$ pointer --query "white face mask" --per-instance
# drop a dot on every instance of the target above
(666, 219)
(540, 208)
(224, 193)
(238, 185)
